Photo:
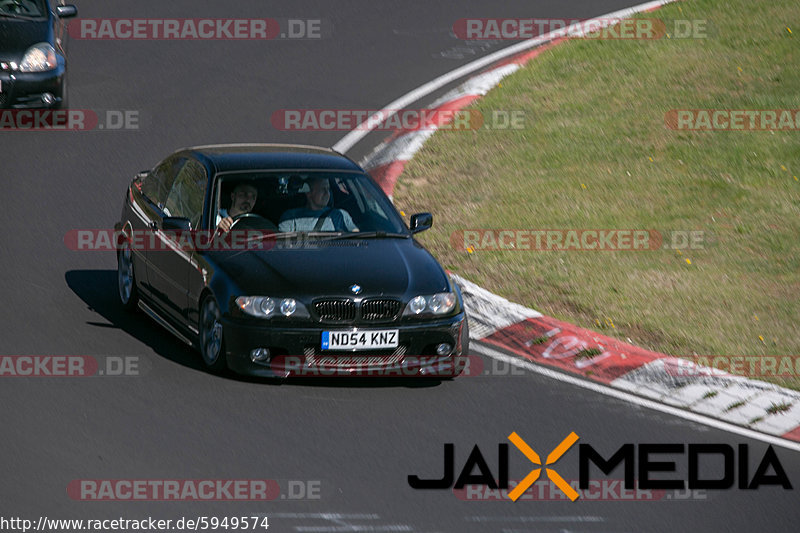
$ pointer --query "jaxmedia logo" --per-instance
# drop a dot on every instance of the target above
(733, 119)
(735, 463)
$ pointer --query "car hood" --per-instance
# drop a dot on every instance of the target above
(17, 35)
(388, 267)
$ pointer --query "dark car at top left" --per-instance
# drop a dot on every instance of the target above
(33, 64)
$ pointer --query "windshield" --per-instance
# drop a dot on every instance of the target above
(323, 203)
(23, 8)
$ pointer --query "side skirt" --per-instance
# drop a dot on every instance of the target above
(149, 311)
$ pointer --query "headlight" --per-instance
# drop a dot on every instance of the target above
(288, 306)
(264, 306)
(417, 305)
(39, 58)
(437, 304)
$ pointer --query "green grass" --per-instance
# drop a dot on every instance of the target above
(595, 153)
(778, 408)
(735, 405)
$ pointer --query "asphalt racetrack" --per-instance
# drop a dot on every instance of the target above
(341, 452)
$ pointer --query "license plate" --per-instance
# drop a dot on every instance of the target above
(359, 340)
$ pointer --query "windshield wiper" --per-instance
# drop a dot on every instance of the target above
(328, 236)
(368, 235)
(287, 235)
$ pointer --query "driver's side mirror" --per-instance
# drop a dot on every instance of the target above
(176, 224)
(421, 222)
(67, 11)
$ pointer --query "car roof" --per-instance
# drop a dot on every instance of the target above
(230, 157)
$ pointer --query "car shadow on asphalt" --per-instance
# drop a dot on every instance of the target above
(98, 290)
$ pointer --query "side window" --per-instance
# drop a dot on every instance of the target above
(185, 198)
(157, 184)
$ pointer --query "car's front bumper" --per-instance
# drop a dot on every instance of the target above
(20, 90)
(296, 351)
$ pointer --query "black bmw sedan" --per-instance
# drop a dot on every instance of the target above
(32, 58)
(286, 260)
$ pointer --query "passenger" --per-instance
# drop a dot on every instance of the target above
(317, 215)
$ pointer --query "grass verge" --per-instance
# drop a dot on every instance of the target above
(595, 153)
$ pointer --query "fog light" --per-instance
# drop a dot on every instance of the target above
(259, 355)
(48, 98)
(444, 349)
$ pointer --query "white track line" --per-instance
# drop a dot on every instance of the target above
(631, 398)
(349, 140)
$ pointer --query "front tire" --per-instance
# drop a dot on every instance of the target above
(126, 279)
(212, 344)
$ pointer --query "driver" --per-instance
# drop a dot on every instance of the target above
(243, 199)
(316, 215)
